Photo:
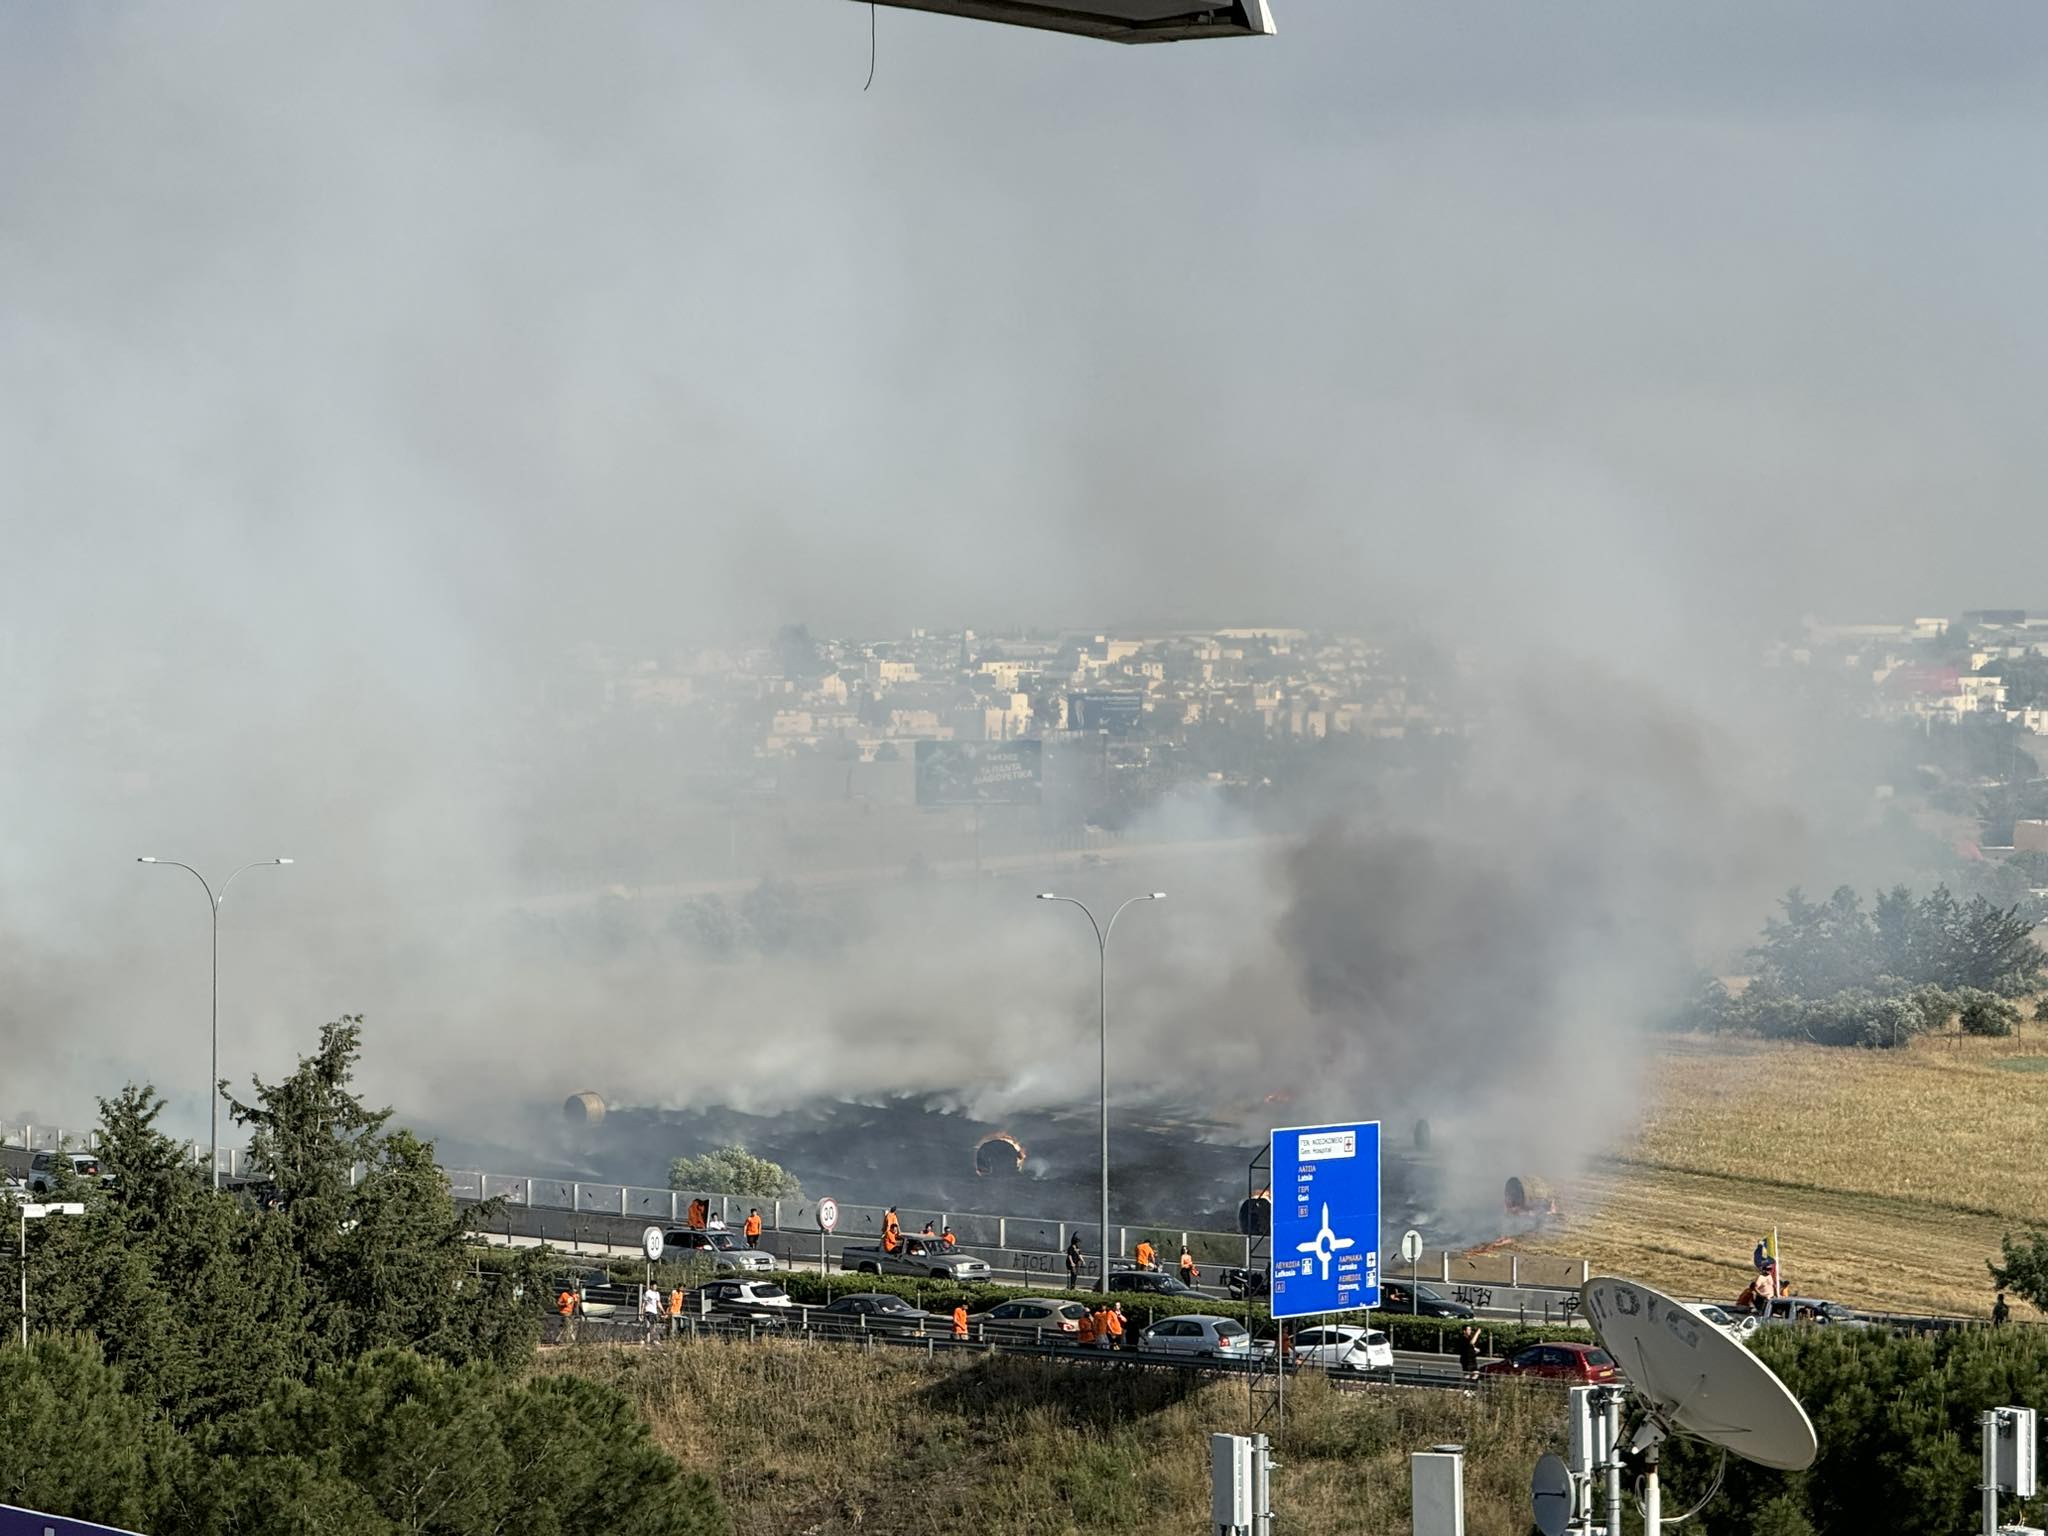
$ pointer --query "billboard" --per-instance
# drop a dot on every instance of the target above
(980, 772)
(1326, 1218)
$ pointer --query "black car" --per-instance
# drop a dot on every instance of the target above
(871, 1312)
(1245, 1284)
(1149, 1282)
(1395, 1296)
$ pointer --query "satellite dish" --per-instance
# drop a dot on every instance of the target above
(1551, 1491)
(1690, 1376)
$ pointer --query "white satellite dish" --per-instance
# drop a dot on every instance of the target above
(1689, 1377)
(1553, 1494)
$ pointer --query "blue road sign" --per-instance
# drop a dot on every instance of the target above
(1326, 1218)
(28, 1522)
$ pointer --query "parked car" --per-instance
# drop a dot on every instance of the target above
(1032, 1317)
(1737, 1325)
(1200, 1335)
(1342, 1348)
(1581, 1364)
(43, 1169)
(917, 1256)
(744, 1301)
(1149, 1282)
(1811, 1309)
(725, 1252)
(1419, 1301)
(872, 1311)
(601, 1295)
(1245, 1284)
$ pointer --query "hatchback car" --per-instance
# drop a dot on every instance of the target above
(1031, 1317)
(1811, 1309)
(1199, 1335)
(1345, 1348)
(757, 1301)
(1582, 1364)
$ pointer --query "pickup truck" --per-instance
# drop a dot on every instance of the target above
(915, 1256)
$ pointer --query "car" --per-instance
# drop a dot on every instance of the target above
(1199, 1335)
(1344, 1347)
(1581, 1364)
(1419, 1301)
(43, 1170)
(1149, 1282)
(920, 1255)
(1045, 1318)
(1737, 1325)
(601, 1296)
(744, 1301)
(725, 1252)
(1813, 1310)
(869, 1312)
(1245, 1284)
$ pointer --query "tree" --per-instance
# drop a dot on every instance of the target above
(72, 1441)
(733, 1171)
(2024, 1270)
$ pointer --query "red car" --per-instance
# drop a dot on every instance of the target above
(1583, 1365)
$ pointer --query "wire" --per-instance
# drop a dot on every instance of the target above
(871, 45)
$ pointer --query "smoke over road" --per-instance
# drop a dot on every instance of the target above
(360, 373)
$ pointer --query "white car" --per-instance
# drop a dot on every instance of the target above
(1346, 1348)
(1737, 1325)
(1198, 1334)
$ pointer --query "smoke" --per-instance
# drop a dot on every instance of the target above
(361, 376)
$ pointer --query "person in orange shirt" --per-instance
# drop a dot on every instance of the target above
(959, 1319)
(948, 1241)
(1105, 1331)
(1085, 1334)
(892, 1231)
(753, 1229)
(565, 1304)
(1146, 1253)
(700, 1213)
(1113, 1325)
(1189, 1274)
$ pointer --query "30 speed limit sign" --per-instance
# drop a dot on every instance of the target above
(828, 1215)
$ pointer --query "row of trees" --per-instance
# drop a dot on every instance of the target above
(1818, 948)
(329, 1357)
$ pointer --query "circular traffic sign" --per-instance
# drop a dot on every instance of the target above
(828, 1214)
(1411, 1245)
(650, 1244)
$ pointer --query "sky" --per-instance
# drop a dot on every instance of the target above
(355, 361)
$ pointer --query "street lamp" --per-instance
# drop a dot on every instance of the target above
(1102, 933)
(31, 1213)
(213, 1080)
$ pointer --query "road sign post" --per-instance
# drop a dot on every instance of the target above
(828, 1218)
(1326, 1218)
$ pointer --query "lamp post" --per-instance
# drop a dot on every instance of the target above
(31, 1213)
(1102, 933)
(213, 900)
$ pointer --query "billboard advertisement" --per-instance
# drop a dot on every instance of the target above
(980, 772)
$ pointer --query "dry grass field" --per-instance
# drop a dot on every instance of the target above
(825, 1440)
(1889, 1175)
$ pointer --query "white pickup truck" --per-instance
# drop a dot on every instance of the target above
(915, 1256)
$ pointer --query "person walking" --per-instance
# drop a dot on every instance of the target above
(752, 1229)
(1074, 1262)
(2000, 1311)
(566, 1305)
(650, 1312)
(960, 1320)
(1189, 1274)
(1113, 1320)
(1468, 1349)
(675, 1310)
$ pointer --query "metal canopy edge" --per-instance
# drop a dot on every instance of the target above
(1117, 21)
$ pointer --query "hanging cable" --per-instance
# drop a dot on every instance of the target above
(871, 44)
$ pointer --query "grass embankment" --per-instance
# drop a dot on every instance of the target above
(1890, 1175)
(828, 1439)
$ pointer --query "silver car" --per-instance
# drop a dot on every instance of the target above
(1045, 1318)
(1199, 1335)
(726, 1252)
(1342, 1348)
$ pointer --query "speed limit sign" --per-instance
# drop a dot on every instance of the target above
(828, 1215)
